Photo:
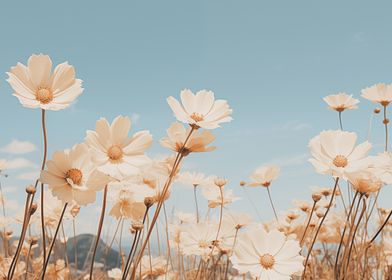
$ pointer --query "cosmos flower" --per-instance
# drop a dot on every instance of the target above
(200, 109)
(196, 239)
(197, 142)
(72, 177)
(114, 152)
(124, 204)
(214, 197)
(335, 152)
(364, 182)
(341, 101)
(264, 175)
(378, 93)
(194, 179)
(382, 167)
(267, 255)
(37, 87)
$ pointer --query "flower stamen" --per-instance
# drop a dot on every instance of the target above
(75, 175)
(267, 261)
(44, 95)
(340, 161)
(115, 153)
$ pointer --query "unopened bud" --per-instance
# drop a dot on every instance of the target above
(316, 197)
(137, 226)
(75, 210)
(33, 208)
(242, 183)
(377, 110)
(385, 121)
(30, 189)
(148, 201)
(220, 182)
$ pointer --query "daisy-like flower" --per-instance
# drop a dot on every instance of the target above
(197, 142)
(194, 179)
(200, 109)
(37, 87)
(365, 182)
(114, 152)
(341, 101)
(264, 175)
(72, 177)
(335, 152)
(196, 239)
(267, 255)
(215, 198)
(379, 93)
(125, 204)
(382, 167)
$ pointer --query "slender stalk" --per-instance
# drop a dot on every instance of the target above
(75, 243)
(386, 127)
(308, 223)
(196, 204)
(319, 227)
(46, 262)
(105, 192)
(340, 120)
(42, 185)
(272, 204)
(4, 229)
(381, 228)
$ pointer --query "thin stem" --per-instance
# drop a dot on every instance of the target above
(196, 204)
(105, 192)
(386, 127)
(46, 262)
(308, 223)
(75, 246)
(272, 204)
(42, 185)
(340, 121)
(319, 227)
(381, 228)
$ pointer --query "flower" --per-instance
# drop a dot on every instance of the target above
(365, 182)
(115, 273)
(215, 198)
(37, 87)
(379, 93)
(382, 167)
(194, 179)
(114, 152)
(72, 177)
(267, 255)
(200, 109)
(197, 142)
(264, 175)
(125, 204)
(341, 101)
(335, 152)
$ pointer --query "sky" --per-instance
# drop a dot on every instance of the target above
(273, 61)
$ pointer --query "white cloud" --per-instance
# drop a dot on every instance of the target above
(29, 176)
(295, 125)
(18, 147)
(18, 163)
(292, 160)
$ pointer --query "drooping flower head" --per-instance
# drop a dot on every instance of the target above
(341, 101)
(267, 255)
(200, 109)
(335, 152)
(37, 87)
(365, 182)
(114, 152)
(264, 175)
(72, 177)
(198, 141)
(378, 93)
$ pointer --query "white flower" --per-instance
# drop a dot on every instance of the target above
(382, 167)
(379, 93)
(264, 175)
(267, 255)
(335, 152)
(200, 109)
(341, 101)
(194, 179)
(114, 152)
(36, 87)
(115, 273)
(72, 177)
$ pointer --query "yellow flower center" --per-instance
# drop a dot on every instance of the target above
(44, 95)
(197, 117)
(115, 153)
(267, 261)
(75, 175)
(203, 244)
(340, 161)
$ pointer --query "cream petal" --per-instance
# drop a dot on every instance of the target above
(63, 77)
(139, 143)
(188, 100)
(84, 197)
(28, 103)
(360, 151)
(63, 193)
(39, 69)
(289, 250)
(204, 101)
(68, 95)
(276, 240)
(119, 130)
(20, 87)
(61, 160)
(51, 179)
(177, 109)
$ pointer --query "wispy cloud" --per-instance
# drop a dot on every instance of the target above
(18, 163)
(291, 160)
(18, 147)
(29, 176)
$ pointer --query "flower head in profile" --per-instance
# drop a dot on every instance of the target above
(378, 93)
(382, 167)
(341, 101)
(335, 152)
(37, 87)
(198, 141)
(264, 175)
(217, 196)
(72, 177)
(114, 152)
(267, 255)
(200, 109)
(365, 182)
(194, 179)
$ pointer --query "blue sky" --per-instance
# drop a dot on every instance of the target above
(272, 60)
